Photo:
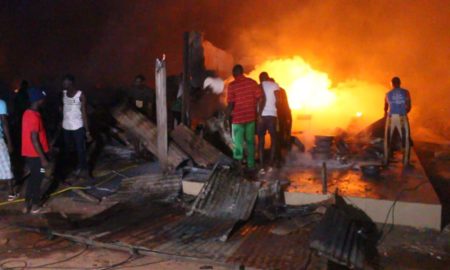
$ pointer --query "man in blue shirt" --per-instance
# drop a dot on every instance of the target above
(396, 109)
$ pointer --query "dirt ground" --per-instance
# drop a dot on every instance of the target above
(28, 250)
(403, 248)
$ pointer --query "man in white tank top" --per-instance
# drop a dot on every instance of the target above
(75, 124)
(267, 121)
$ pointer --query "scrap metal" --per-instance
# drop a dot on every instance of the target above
(202, 152)
(144, 130)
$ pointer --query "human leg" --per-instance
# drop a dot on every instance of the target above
(407, 149)
(67, 146)
(250, 140)
(272, 127)
(238, 141)
(33, 191)
(387, 135)
(79, 137)
(261, 130)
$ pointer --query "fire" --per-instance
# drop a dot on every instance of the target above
(307, 89)
(328, 106)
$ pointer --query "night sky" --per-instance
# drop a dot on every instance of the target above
(107, 42)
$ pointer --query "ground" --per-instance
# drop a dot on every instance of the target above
(403, 248)
(28, 250)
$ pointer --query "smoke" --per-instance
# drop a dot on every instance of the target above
(318, 104)
(107, 42)
(369, 41)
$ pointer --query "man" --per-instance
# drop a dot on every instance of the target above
(34, 149)
(75, 124)
(5, 149)
(143, 98)
(268, 118)
(243, 96)
(396, 108)
(284, 120)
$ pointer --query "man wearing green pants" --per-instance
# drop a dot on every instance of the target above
(243, 97)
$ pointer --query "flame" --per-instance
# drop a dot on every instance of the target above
(307, 89)
(311, 92)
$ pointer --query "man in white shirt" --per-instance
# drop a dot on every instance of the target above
(268, 118)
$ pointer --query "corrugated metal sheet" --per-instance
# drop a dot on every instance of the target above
(162, 228)
(346, 235)
(226, 195)
(165, 229)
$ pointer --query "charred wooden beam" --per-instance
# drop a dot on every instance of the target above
(203, 153)
(143, 129)
(153, 183)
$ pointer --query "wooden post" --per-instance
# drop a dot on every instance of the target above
(161, 111)
(324, 178)
(185, 111)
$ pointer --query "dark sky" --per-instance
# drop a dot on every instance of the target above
(107, 42)
(102, 41)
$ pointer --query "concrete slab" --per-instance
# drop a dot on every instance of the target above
(192, 187)
(399, 196)
(416, 202)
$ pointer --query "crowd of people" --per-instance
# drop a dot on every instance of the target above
(258, 108)
(252, 109)
(263, 108)
(32, 143)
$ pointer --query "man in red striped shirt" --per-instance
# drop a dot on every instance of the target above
(243, 97)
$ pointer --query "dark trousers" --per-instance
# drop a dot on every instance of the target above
(33, 192)
(267, 123)
(76, 138)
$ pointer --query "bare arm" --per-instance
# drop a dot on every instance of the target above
(278, 99)
(228, 112)
(261, 104)
(38, 147)
(408, 103)
(5, 123)
(84, 112)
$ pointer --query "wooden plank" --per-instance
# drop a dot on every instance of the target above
(152, 183)
(161, 111)
(140, 127)
(203, 153)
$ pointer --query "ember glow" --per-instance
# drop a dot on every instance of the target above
(317, 103)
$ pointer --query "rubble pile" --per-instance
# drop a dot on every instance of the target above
(323, 148)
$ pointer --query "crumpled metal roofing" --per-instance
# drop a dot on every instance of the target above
(226, 195)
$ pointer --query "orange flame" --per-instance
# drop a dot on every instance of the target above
(313, 98)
